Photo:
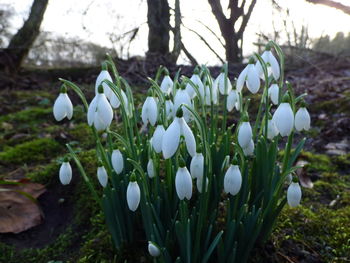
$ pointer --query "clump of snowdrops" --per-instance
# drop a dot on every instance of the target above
(204, 179)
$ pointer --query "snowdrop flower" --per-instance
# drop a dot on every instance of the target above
(117, 161)
(245, 133)
(211, 94)
(200, 184)
(273, 67)
(220, 81)
(115, 102)
(197, 166)
(250, 77)
(182, 97)
(65, 173)
(171, 137)
(102, 176)
(153, 249)
(63, 106)
(273, 93)
(169, 108)
(104, 75)
(183, 182)
(272, 130)
(284, 118)
(249, 150)
(100, 113)
(150, 169)
(149, 111)
(294, 194)
(158, 138)
(232, 180)
(196, 81)
(133, 194)
(302, 119)
(232, 100)
(167, 84)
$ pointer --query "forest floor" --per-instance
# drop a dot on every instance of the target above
(73, 230)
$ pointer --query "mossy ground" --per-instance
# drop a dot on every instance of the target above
(317, 231)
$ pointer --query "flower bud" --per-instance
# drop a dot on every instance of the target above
(183, 183)
(302, 119)
(133, 195)
(245, 134)
(149, 111)
(65, 173)
(150, 169)
(153, 249)
(102, 176)
(284, 119)
(158, 138)
(117, 161)
(232, 180)
(294, 194)
(197, 166)
(62, 107)
(273, 93)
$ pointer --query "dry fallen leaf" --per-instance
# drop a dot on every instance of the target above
(304, 178)
(17, 212)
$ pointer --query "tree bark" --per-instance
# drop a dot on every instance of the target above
(337, 5)
(22, 41)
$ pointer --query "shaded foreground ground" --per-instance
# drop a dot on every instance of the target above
(32, 143)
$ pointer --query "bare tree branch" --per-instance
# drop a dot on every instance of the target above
(246, 18)
(333, 4)
(212, 31)
(188, 54)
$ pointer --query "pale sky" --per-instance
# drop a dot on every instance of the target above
(104, 17)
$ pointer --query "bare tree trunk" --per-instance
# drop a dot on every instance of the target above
(20, 44)
(177, 33)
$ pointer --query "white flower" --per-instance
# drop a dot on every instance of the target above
(166, 85)
(171, 138)
(182, 97)
(245, 134)
(273, 67)
(117, 161)
(220, 81)
(232, 180)
(183, 183)
(100, 113)
(197, 81)
(153, 249)
(149, 111)
(302, 119)
(294, 194)
(232, 100)
(273, 92)
(62, 107)
(115, 102)
(102, 176)
(284, 119)
(133, 195)
(104, 75)
(211, 94)
(272, 130)
(65, 173)
(250, 76)
(249, 150)
(158, 138)
(150, 169)
(200, 184)
(197, 166)
(169, 109)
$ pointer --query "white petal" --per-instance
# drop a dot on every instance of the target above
(133, 196)
(302, 119)
(231, 100)
(258, 66)
(241, 79)
(249, 150)
(115, 102)
(158, 138)
(200, 184)
(275, 68)
(253, 79)
(284, 119)
(62, 106)
(273, 92)
(189, 137)
(91, 111)
(182, 97)
(102, 176)
(149, 111)
(171, 139)
(197, 166)
(153, 250)
(104, 111)
(104, 75)
(245, 134)
(183, 183)
(272, 130)
(117, 161)
(167, 84)
(294, 194)
(169, 109)
(221, 84)
(232, 180)
(65, 173)
(150, 168)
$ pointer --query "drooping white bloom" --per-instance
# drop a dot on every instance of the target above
(232, 99)
(133, 195)
(197, 81)
(169, 109)
(232, 180)
(197, 166)
(220, 80)
(117, 161)
(62, 107)
(153, 250)
(273, 93)
(272, 130)
(273, 67)
(211, 94)
(150, 169)
(100, 113)
(167, 85)
(183, 183)
(65, 173)
(284, 119)
(182, 97)
(171, 138)
(115, 102)
(149, 111)
(249, 150)
(200, 184)
(294, 194)
(158, 138)
(302, 119)
(250, 76)
(245, 134)
(104, 75)
(102, 176)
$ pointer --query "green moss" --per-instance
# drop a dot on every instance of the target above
(317, 162)
(33, 151)
(83, 135)
(28, 116)
(44, 174)
(343, 105)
